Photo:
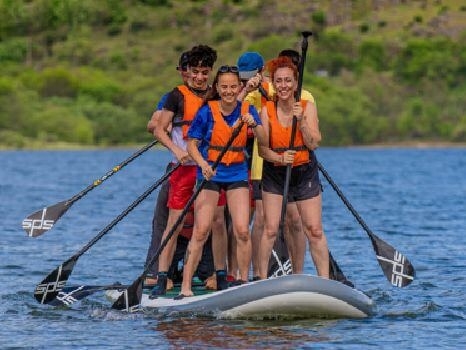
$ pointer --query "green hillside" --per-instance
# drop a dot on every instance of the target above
(86, 72)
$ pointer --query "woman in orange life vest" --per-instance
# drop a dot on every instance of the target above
(179, 110)
(304, 186)
(209, 133)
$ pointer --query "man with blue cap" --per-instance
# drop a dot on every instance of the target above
(256, 91)
(251, 65)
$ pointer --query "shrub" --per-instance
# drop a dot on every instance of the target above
(372, 54)
(58, 82)
(319, 18)
(364, 28)
(14, 50)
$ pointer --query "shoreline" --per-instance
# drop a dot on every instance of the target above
(75, 147)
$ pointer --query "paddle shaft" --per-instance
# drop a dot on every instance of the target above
(48, 289)
(286, 188)
(111, 172)
(396, 267)
(133, 205)
(131, 297)
(43, 220)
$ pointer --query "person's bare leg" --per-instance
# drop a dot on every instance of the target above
(297, 237)
(166, 256)
(256, 236)
(232, 261)
(311, 214)
(204, 209)
(219, 239)
(238, 203)
(272, 211)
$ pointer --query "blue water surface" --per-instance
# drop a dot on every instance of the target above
(415, 199)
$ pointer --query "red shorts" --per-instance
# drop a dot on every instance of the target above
(222, 199)
(182, 183)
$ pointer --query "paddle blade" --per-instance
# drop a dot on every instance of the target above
(336, 273)
(43, 220)
(47, 291)
(69, 295)
(279, 262)
(395, 266)
(130, 299)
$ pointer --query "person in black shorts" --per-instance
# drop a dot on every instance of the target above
(304, 185)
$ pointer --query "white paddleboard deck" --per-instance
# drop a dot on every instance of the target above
(290, 296)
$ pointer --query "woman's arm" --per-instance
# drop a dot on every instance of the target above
(193, 151)
(309, 126)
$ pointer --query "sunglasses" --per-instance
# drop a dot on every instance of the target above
(228, 69)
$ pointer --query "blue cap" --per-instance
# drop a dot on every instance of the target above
(249, 63)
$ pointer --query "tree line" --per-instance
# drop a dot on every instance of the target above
(90, 72)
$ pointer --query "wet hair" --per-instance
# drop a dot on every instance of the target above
(293, 54)
(213, 94)
(281, 62)
(202, 56)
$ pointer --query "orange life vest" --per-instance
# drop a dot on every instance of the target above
(191, 105)
(280, 136)
(221, 133)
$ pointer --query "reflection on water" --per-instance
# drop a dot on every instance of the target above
(203, 333)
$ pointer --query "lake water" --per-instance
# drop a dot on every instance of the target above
(415, 199)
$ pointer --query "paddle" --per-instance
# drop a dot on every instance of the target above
(47, 290)
(43, 220)
(72, 294)
(396, 267)
(286, 188)
(131, 297)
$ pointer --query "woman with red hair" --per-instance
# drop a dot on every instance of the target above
(304, 185)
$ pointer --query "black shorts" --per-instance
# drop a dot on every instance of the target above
(256, 189)
(304, 181)
(226, 186)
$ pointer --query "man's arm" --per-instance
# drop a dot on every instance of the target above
(161, 133)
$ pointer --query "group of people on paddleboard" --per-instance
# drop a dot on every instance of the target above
(235, 150)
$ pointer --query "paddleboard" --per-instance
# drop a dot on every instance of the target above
(286, 297)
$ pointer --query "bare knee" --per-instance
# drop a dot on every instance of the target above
(200, 234)
(218, 224)
(269, 233)
(295, 226)
(315, 233)
(242, 235)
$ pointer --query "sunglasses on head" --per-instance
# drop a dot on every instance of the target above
(228, 69)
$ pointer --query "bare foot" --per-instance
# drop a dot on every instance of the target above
(169, 284)
(150, 281)
(211, 282)
(187, 293)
